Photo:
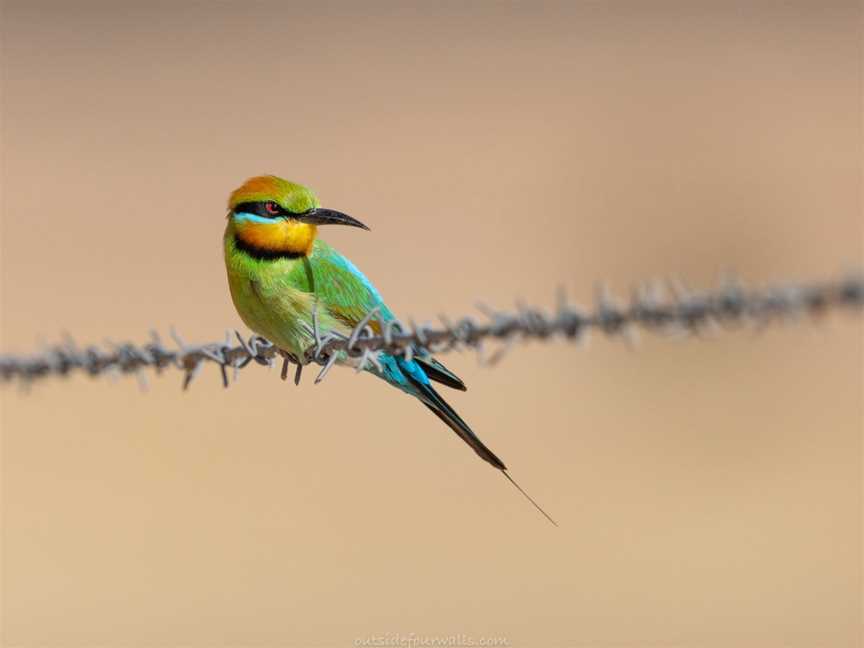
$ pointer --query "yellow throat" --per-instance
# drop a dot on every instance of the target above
(280, 235)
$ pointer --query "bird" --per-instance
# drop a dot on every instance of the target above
(287, 285)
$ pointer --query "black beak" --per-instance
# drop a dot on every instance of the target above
(328, 217)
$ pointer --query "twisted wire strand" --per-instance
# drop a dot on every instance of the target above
(666, 308)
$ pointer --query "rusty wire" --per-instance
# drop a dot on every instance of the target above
(660, 307)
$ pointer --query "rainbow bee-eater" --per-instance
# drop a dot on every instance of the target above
(284, 280)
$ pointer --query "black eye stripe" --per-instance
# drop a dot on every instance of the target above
(260, 209)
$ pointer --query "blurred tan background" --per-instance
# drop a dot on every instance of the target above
(709, 492)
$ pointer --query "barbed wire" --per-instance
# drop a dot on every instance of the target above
(657, 307)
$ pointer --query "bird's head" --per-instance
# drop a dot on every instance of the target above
(274, 216)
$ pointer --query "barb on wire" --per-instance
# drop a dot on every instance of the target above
(650, 308)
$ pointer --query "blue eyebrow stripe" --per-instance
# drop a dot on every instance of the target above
(255, 218)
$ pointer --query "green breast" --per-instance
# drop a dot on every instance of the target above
(268, 299)
(276, 297)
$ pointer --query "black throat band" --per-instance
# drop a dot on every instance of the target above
(262, 254)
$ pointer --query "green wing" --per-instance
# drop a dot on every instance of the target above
(348, 296)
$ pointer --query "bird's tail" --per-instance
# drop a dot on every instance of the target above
(448, 415)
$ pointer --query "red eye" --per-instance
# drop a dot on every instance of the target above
(272, 208)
